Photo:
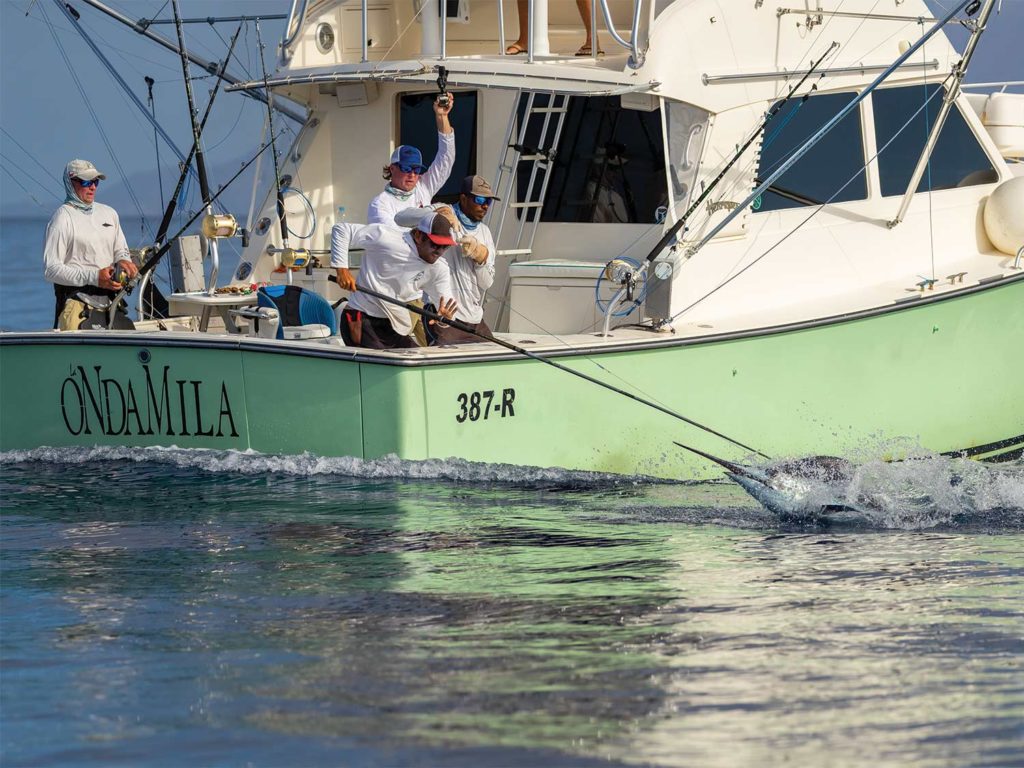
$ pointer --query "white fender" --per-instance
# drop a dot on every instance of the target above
(1004, 216)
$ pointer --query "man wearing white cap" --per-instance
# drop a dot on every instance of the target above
(85, 250)
(410, 183)
(397, 264)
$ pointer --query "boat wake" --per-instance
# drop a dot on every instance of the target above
(307, 465)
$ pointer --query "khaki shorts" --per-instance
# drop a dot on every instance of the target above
(72, 316)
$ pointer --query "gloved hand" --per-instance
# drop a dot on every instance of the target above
(473, 248)
(446, 212)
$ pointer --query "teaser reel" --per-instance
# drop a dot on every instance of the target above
(631, 278)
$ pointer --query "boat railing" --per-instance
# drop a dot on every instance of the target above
(293, 26)
(435, 29)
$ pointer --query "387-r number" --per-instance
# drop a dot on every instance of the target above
(480, 405)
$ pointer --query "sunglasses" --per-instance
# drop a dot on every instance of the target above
(480, 200)
(87, 184)
(406, 168)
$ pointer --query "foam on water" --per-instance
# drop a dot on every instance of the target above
(306, 465)
(926, 492)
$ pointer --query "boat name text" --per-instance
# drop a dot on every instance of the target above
(161, 405)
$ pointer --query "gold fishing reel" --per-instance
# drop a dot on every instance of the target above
(293, 258)
(216, 226)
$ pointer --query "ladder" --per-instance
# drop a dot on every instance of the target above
(540, 160)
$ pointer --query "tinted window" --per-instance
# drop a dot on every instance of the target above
(827, 166)
(418, 128)
(957, 160)
(609, 165)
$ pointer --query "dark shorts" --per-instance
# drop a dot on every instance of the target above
(374, 332)
(450, 335)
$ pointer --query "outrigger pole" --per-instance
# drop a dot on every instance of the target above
(199, 61)
(466, 328)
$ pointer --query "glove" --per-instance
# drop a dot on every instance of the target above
(446, 212)
(473, 249)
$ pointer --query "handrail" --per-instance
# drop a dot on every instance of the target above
(289, 33)
(636, 56)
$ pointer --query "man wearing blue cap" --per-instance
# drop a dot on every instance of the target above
(410, 183)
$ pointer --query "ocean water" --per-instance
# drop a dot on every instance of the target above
(165, 607)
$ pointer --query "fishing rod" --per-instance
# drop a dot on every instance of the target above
(163, 249)
(288, 256)
(172, 204)
(197, 146)
(671, 233)
(466, 328)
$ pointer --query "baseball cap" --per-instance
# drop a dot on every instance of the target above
(477, 185)
(406, 155)
(84, 170)
(437, 228)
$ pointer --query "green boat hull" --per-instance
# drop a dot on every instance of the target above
(940, 374)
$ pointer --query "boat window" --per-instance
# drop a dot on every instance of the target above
(418, 128)
(957, 160)
(609, 166)
(832, 170)
(687, 129)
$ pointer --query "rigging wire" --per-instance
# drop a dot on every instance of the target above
(14, 178)
(29, 176)
(95, 118)
(55, 177)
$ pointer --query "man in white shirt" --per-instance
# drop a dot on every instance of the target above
(410, 183)
(470, 262)
(398, 264)
(85, 250)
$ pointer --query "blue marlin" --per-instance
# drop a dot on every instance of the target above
(813, 486)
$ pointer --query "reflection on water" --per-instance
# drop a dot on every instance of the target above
(166, 612)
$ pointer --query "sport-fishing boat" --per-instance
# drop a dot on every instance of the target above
(748, 228)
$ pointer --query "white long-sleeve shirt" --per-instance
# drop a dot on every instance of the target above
(384, 206)
(81, 243)
(470, 280)
(391, 266)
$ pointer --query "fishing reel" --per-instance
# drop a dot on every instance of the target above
(291, 258)
(631, 278)
(218, 226)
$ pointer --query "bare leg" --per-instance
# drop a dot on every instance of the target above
(585, 12)
(522, 8)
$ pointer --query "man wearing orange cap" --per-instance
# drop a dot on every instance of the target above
(396, 264)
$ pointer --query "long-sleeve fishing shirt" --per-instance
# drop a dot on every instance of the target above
(470, 280)
(81, 243)
(384, 206)
(391, 266)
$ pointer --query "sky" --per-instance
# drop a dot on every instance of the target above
(47, 117)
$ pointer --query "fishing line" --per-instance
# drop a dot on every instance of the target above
(466, 328)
